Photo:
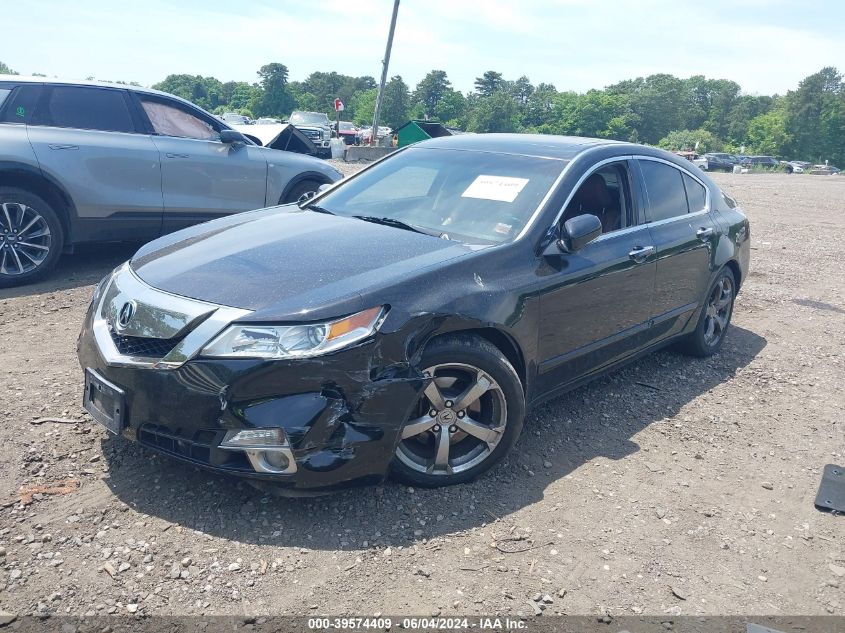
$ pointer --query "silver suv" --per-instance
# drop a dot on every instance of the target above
(87, 162)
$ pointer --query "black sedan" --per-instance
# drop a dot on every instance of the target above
(406, 318)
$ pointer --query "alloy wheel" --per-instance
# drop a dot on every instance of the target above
(458, 422)
(718, 311)
(25, 239)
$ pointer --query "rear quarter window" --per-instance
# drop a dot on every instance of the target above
(4, 92)
(696, 194)
(18, 104)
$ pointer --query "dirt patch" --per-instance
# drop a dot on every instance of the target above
(672, 486)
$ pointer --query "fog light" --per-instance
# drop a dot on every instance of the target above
(276, 459)
(268, 450)
(254, 438)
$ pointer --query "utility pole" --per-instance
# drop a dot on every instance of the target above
(385, 62)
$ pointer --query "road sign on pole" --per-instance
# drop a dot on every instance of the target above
(338, 105)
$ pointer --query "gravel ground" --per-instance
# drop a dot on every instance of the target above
(673, 486)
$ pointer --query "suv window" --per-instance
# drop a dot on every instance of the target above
(665, 187)
(20, 104)
(696, 194)
(4, 92)
(85, 108)
(170, 119)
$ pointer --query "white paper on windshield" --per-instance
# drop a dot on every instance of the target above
(501, 188)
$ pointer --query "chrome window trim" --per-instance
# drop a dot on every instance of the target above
(214, 319)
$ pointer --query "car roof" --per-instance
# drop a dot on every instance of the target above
(22, 79)
(539, 145)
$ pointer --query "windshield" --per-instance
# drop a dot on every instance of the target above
(346, 126)
(474, 197)
(308, 118)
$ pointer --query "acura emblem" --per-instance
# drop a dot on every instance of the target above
(126, 313)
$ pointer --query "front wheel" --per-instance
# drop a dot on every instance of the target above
(299, 190)
(715, 318)
(467, 419)
(31, 237)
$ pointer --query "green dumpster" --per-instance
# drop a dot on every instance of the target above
(414, 131)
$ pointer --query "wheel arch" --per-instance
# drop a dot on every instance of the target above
(33, 180)
(734, 267)
(503, 341)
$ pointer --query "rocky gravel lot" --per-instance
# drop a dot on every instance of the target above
(674, 486)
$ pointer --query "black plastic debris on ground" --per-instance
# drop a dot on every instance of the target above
(831, 497)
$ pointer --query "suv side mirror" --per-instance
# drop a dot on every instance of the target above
(232, 137)
(579, 231)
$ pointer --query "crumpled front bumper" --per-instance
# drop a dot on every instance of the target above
(342, 413)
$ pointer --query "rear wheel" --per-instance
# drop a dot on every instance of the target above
(31, 237)
(715, 318)
(299, 190)
(468, 417)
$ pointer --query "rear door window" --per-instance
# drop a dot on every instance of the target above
(696, 194)
(664, 185)
(4, 92)
(85, 108)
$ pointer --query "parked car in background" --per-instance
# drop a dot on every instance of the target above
(694, 158)
(366, 133)
(719, 161)
(315, 125)
(88, 162)
(768, 162)
(233, 118)
(507, 272)
(824, 170)
(349, 133)
(266, 121)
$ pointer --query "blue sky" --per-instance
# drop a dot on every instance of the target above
(767, 46)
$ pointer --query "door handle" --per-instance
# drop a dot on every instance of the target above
(641, 253)
(172, 155)
(60, 146)
(704, 233)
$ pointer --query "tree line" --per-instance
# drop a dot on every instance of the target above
(807, 123)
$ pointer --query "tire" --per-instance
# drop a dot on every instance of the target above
(299, 190)
(28, 259)
(457, 362)
(716, 314)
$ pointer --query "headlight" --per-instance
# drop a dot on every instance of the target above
(294, 341)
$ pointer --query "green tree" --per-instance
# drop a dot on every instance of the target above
(688, 140)
(205, 92)
(451, 109)
(767, 133)
(274, 98)
(494, 113)
(5, 70)
(488, 83)
(396, 102)
(431, 91)
(815, 117)
(364, 106)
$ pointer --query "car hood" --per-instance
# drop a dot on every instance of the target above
(288, 264)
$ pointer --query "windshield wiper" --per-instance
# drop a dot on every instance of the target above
(318, 209)
(399, 224)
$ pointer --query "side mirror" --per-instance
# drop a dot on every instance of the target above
(232, 137)
(580, 231)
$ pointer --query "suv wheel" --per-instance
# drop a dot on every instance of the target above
(299, 190)
(468, 417)
(31, 237)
